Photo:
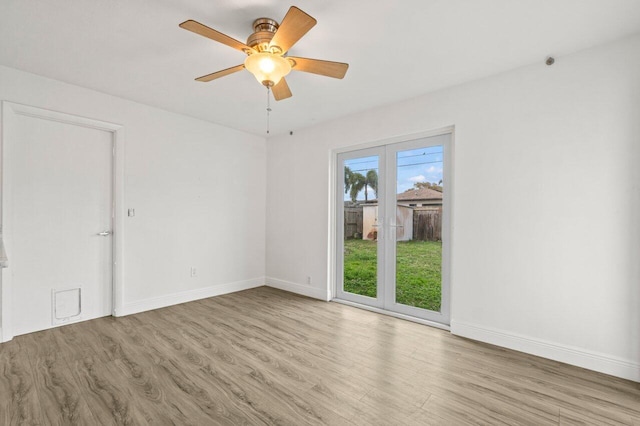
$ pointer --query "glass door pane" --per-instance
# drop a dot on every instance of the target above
(416, 249)
(359, 215)
(418, 227)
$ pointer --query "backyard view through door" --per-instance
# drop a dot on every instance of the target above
(392, 227)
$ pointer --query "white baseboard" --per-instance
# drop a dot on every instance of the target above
(189, 296)
(602, 363)
(304, 290)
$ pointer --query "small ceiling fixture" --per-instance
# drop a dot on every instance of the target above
(267, 48)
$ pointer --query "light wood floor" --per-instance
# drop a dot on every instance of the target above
(264, 356)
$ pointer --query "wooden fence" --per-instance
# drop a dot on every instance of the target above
(427, 224)
(352, 221)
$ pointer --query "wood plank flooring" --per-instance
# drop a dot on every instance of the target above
(264, 356)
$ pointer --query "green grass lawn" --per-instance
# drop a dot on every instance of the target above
(418, 271)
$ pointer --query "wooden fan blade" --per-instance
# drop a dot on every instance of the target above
(294, 25)
(317, 66)
(281, 90)
(203, 30)
(219, 74)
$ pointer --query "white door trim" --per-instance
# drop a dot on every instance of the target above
(117, 131)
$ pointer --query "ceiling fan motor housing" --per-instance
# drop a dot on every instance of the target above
(263, 31)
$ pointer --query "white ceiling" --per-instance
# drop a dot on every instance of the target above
(396, 49)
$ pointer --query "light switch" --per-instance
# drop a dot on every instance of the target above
(131, 212)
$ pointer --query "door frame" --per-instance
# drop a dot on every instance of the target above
(118, 212)
(448, 230)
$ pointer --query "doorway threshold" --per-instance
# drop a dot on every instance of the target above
(393, 314)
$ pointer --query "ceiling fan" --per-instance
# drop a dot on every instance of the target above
(266, 51)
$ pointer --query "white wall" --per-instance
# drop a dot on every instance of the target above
(550, 152)
(546, 241)
(198, 190)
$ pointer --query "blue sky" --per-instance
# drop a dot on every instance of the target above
(415, 165)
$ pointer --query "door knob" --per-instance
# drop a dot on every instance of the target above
(104, 233)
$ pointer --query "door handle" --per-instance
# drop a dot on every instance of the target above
(104, 233)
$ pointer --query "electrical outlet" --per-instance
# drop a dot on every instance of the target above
(308, 279)
(194, 272)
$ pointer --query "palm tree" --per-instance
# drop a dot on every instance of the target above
(371, 180)
(356, 183)
(348, 175)
(353, 183)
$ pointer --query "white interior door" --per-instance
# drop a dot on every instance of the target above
(57, 201)
(393, 209)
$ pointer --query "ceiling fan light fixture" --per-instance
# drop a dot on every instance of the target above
(266, 48)
(267, 68)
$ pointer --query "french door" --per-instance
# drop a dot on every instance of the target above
(393, 227)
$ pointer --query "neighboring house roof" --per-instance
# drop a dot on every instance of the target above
(420, 194)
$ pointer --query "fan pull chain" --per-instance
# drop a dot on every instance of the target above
(268, 106)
